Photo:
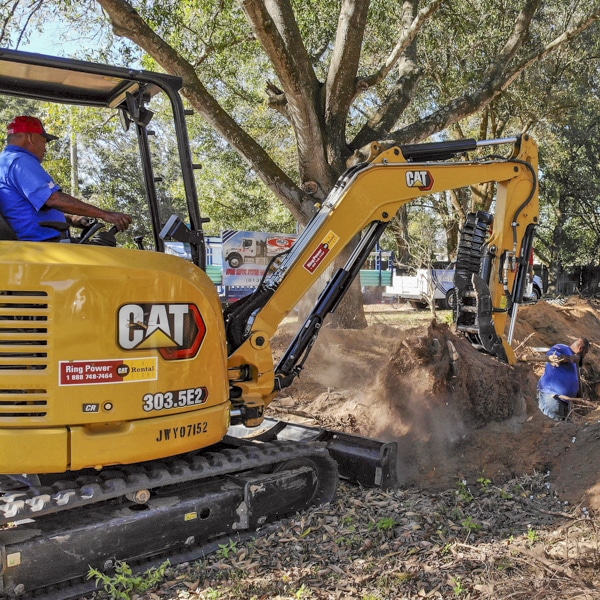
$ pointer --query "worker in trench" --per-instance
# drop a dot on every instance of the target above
(561, 382)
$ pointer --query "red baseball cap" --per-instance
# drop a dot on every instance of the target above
(25, 124)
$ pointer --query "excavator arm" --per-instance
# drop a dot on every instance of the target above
(490, 272)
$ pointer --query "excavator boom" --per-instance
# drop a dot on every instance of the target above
(365, 200)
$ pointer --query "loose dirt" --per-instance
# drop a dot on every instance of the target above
(456, 413)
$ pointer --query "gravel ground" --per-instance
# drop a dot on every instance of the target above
(478, 540)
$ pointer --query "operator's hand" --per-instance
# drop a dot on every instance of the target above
(555, 359)
(120, 220)
(79, 221)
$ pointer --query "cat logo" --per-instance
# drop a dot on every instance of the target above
(175, 330)
(419, 179)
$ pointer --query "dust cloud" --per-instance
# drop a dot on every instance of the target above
(454, 412)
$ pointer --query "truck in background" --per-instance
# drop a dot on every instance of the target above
(236, 260)
(254, 247)
(417, 286)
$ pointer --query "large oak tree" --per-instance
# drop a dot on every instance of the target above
(338, 75)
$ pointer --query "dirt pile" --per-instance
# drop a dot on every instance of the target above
(456, 413)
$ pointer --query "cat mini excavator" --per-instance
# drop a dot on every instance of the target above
(123, 379)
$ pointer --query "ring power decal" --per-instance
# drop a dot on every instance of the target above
(86, 372)
(321, 251)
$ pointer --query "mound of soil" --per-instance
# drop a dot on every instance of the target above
(455, 412)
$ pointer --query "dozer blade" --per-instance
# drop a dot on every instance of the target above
(369, 462)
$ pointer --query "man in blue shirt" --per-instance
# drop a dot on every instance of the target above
(560, 381)
(30, 197)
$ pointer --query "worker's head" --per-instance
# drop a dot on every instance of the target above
(29, 133)
(581, 346)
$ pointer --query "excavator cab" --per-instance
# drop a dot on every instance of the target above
(109, 355)
(129, 93)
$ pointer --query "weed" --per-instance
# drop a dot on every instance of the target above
(123, 584)
(458, 586)
(470, 525)
(464, 492)
(348, 520)
(303, 593)
(226, 549)
(532, 534)
(484, 483)
(385, 523)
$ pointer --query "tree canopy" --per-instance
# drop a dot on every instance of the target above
(336, 76)
(298, 87)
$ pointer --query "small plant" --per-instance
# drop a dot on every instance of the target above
(470, 525)
(446, 548)
(484, 483)
(226, 549)
(303, 593)
(348, 520)
(464, 492)
(123, 584)
(385, 524)
(458, 586)
(532, 535)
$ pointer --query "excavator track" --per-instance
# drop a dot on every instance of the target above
(56, 536)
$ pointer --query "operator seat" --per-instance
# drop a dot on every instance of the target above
(6, 231)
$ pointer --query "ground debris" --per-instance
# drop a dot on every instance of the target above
(479, 539)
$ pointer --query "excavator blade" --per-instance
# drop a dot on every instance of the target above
(367, 461)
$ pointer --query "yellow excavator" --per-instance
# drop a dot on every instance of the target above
(123, 378)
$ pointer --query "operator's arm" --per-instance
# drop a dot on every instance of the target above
(70, 204)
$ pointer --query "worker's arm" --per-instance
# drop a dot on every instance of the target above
(70, 204)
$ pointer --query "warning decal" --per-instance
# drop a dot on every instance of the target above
(84, 372)
(321, 251)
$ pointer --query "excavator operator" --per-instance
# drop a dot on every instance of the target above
(30, 200)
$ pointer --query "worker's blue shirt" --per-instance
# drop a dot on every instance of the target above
(563, 379)
(25, 186)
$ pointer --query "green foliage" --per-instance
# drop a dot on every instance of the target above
(532, 535)
(225, 550)
(303, 593)
(124, 582)
(458, 587)
(484, 482)
(385, 524)
(470, 524)
(464, 493)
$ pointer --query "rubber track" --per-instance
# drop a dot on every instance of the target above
(116, 482)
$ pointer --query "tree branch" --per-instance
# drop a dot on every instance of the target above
(494, 83)
(276, 29)
(385, 117)
(341, 78)
(127, 22)
(406, 39)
